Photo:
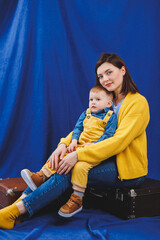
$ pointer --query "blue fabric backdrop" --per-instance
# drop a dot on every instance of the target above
(87, 225)
(48, 50)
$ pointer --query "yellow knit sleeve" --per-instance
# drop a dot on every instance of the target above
(66, 140)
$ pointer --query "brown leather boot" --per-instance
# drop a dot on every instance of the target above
(73, 206)
(32, 179)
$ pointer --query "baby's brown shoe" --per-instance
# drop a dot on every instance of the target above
(73, 206)
(32, 179)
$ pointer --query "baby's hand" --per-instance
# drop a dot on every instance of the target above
(86, 144)
(72, 147)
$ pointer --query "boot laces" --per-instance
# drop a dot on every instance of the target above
(71, 202)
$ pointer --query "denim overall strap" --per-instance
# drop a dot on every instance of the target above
(88, 113)
(108, 115)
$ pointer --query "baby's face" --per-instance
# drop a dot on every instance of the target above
(99, 100)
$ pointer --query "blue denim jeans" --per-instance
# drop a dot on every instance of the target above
(102, 176)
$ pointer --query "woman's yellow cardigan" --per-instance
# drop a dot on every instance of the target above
(129, 142)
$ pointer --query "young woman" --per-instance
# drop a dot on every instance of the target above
(123, 156)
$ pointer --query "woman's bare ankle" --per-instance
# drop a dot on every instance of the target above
(23, 195)
(21, 207)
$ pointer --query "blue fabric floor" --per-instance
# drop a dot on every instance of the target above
(89, 224)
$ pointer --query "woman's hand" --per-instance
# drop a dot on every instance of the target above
(56, 156)
(67, 163)
(85, 144)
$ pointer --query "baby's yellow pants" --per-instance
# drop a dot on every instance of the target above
(79, 174)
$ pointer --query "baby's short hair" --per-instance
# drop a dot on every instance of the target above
(98, 88)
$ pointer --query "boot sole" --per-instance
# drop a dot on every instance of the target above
(27, 178)
(70, 214)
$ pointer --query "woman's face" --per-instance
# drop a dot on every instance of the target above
(111, 77)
